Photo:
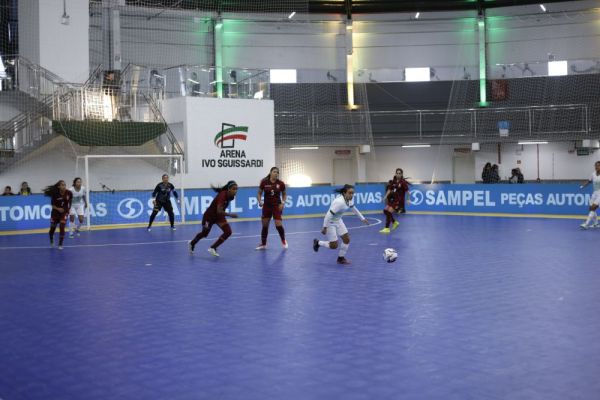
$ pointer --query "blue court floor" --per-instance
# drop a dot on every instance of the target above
(475, 308)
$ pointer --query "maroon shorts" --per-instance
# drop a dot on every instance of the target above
(58, 218)
(269, 211)
(209, 221)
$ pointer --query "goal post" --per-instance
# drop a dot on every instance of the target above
(118, 187)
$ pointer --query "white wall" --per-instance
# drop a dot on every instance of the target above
(557, 161)
(44, 40)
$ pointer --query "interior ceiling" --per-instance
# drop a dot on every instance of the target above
(341, 6)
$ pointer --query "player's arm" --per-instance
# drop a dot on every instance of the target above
(283, 199)
(175, 194)
(359, 215)
(385, 197)
(326, 221)
(584, 184)
(259, 196)
(85, 203)
(155, 193)
(223, 213)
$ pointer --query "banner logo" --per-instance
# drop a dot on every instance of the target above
(416, 197)
(130, 208)
(228, 135)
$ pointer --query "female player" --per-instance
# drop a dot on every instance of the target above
(215, 214)
(162, 199)
(333, 225)
(275, 197)
(396, 191)
(61, 203)
(78, 206)
(592, 220)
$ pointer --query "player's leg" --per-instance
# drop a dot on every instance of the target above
(206, 227)
(155, 210)
(267, 213)
(332, 238)
(169, 209)
(343, 232)
(592, 218)
(279, 226)
(389, 218)
(61, 230)
(80, 218)
(224, 236)
(53, 223)
(72, 215)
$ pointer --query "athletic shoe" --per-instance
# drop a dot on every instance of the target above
(595, 226)
(385, 230)
(213, 252)
(284, 244)
(60, 247)
(78, 234)
(395, 225)
(148, 229)
(52, 244)
(191, 246)
(316, 244)
(343, 261)
(71, 234)
(173, 228)
(584, 226)
(261, 247)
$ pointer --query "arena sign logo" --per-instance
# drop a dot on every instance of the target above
(130, 208)
(230, 156)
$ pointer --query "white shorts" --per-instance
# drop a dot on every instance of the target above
(595, 198)
(77, 209)
(336, 229)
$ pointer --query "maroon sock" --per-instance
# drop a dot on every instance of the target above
(281, 232)
(263, 235)
(388, 218)
(61, 235)
(226, 233)
(392, 217)
(51, 232)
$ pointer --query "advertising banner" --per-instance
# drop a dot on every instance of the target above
(33, 212)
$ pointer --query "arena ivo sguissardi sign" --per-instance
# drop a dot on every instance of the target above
(230, 156)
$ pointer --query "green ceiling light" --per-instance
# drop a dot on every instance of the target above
(482, 63)
(218, 42)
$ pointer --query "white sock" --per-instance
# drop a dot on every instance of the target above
(595, 219)
(323, 243)
(591, 217)
(343, 249)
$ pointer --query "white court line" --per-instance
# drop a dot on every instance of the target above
(175, 241)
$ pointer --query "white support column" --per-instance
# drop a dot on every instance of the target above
(87, 193)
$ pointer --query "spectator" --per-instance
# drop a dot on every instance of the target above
(487, 172)
(195, 84)
(25, 189)
(517, 176)
(8, 191)
(495, 174)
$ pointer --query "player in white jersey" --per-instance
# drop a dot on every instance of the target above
(78, 206)
(333, 225)
(592, 220)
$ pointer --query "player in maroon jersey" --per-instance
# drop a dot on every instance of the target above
(61, 204)
(215, 214)
(396, 191)
(272, 207)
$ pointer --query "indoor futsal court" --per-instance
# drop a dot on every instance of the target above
(299, 200)
(130, 314)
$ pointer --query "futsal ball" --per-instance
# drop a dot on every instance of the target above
(390, 255)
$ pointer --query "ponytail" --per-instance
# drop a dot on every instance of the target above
(51, 190)
(343, 189)
(217, 189)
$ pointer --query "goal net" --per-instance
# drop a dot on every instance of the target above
(119, 187)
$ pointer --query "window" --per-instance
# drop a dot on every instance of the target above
(417, 74)
(283, 76)
(557, 68)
